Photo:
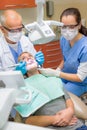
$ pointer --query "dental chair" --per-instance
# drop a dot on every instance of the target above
(79, 106)
(84, 98)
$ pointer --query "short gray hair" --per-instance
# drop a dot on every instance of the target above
(2, 19)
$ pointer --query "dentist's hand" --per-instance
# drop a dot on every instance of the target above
(21, 67)
(39, 57)
(49, 72)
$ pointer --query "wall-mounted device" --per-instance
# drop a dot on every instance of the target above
(40, 31)
(49, 8)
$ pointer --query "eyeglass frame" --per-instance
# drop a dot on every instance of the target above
(69, 26)
(14, 30)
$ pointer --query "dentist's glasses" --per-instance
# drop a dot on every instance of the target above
(14, 30)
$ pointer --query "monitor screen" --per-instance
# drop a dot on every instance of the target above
(11, 79)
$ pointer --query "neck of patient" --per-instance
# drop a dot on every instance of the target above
(32, 72)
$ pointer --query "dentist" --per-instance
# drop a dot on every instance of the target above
(13, 42)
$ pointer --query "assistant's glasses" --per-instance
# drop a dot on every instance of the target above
(69, 26)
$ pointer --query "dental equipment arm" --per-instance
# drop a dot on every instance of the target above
(7, 100)
(40, 31)
(6, 103)
(9, 97)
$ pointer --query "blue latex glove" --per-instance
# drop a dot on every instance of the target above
(39, 57)
(21, 67)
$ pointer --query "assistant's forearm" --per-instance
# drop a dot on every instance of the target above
(71, 77)
(40, 120)
(67, 76)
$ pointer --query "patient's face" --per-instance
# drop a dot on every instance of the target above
(29, 59)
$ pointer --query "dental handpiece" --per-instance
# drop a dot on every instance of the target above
(14, 65)
(11, 66)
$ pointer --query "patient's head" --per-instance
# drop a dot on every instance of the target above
(31, 64)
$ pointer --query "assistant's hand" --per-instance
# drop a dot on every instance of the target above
(49, 72)
(21, 67)
(39, 57)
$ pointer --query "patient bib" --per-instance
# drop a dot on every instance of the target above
(44, 89)
(50, 86)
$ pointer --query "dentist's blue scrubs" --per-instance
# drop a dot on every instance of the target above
(15, 56)
(73, 56)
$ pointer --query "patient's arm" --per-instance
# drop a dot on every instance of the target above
(46, 120)
(63, 116)
(40, 120)
(66, 114)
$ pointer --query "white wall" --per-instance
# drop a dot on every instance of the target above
(29, 14)
(60, 5)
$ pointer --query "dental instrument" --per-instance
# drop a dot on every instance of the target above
(11, 66)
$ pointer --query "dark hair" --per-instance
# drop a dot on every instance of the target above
(75, 12)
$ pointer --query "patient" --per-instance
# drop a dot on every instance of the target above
(58, 113)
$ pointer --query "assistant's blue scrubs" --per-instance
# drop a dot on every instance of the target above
(73, 56)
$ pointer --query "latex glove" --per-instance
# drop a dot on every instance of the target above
(49, 72)
(58, 69)
(39, 57)
(21, 67)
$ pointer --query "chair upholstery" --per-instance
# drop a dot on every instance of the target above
(84, 98)
(80, 107)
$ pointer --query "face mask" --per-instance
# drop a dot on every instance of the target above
(14, 37)
(31, 64)
(69, 34)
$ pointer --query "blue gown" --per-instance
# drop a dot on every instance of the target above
(73, 56)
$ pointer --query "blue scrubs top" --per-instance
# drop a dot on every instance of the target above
(73, 56)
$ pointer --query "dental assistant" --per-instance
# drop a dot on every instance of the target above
(73, 68)
(13, 42)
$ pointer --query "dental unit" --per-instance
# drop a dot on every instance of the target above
(12, 95)
(40, 31)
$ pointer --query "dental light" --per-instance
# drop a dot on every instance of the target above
(40, 31)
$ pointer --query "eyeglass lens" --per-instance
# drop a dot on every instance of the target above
(14, 30)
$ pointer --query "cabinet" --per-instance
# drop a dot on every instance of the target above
(52, 53)
(8, 4)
